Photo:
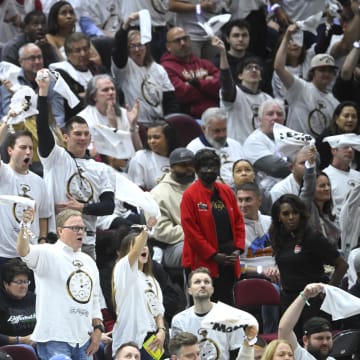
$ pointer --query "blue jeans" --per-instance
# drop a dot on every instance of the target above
(48, 349)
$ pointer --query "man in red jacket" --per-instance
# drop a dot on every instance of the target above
(213, 226)
(196, 81)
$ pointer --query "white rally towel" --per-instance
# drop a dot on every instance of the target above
(14, 199)
(344, 140)
(23, 104)
(115, 144)
(288, 141)
(339, 303)
(225, 318)
(215, 23)
(63, 89)
(9, 71)
(311, 23)
(145, 26)
(129, 192)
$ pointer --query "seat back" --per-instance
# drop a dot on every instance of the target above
(186, 127)
(346, 345)
(255, 292)
(18, 352)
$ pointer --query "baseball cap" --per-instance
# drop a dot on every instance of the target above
(181, 155)
(316, 324)
(320, 60)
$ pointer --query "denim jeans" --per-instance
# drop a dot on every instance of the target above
(48, 349)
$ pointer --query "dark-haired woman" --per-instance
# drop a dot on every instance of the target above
(61, 23)
(301, 252)
(148, 165)
(345, 120)
(137, 294)
(17, 305)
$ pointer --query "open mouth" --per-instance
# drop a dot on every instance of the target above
(143, 254)
(27, 160)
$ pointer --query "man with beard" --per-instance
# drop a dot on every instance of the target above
(213, 226)
(213, 344)
(317, 336)
(214, 125)
(168, 194)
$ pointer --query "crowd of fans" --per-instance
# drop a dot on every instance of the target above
(106, 207)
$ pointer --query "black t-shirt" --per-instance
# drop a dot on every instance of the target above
(17, 317)
(301, 262)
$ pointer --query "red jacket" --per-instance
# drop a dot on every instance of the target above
(194, 99)
(200, 242)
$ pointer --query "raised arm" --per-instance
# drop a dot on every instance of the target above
(285, 75)
(350, 63)
(46, 141)
(351, 34)
(120, 53)
(187, 7)
(22, 245)
(293, 312)
(228, 87)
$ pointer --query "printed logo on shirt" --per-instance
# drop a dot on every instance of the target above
(18, 209)
(202, 207)
(317, 120)
(80, 187)
(209, 350)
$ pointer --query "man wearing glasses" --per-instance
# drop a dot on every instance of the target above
(31, 61)
(68, 314)
(196, 80)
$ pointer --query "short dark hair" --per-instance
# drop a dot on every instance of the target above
(316, 324)
(129, 343)
(334, 127)
(73, 38)
(13, 268)
(12, 137)
(179, 340)
(204, 156)
(30, 16)
(199, 270)
(249, 186)
(248, 60)
(240, 23)
(74, 120)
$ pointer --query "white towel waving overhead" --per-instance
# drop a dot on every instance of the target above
(115, 144)
(129, 192)
(9, 71)
(344, 140)
(63, 89)
(225, 318)
(311, 23)
(14, 199)
(23, 104)
(288, 141)
(214, 24)
(339, 303)
(145, 26)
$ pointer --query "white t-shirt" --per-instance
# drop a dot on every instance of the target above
(83, 179)
(240, 9)
(214, 345)
(228, 154)
(67, 293)
(301, 354)
(28, 185)
(146, 84)
(243, 113)
(301, 10)
(138, 300)
(341, 184)
(158, 10)
(286, 186)
(255, 229)
(257, 146)
(147, 167)
(310, 110)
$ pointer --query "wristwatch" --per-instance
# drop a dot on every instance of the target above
(100, 327)
(356, 44)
